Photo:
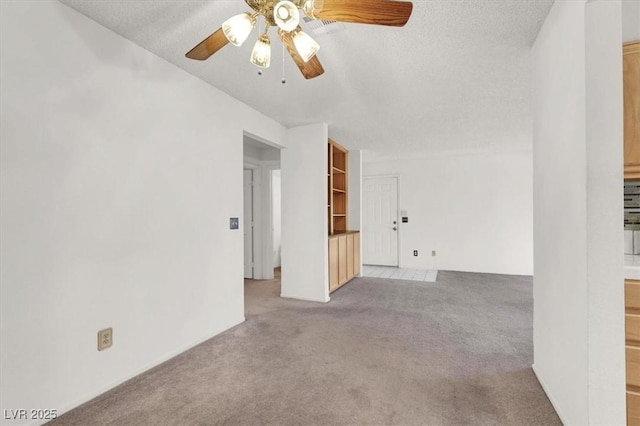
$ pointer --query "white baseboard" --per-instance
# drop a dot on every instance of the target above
(549, 395)
(91, 395)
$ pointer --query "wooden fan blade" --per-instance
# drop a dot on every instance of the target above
(208, 46)
(312, 68)
(376, 12)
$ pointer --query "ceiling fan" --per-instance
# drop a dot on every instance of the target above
(285, 15)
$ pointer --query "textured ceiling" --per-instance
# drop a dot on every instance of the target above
(456, 77)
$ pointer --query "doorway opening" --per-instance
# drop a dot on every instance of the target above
(248, 223)
(276, 205)
(262, 209)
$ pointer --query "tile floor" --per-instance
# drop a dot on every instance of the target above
(392, 272)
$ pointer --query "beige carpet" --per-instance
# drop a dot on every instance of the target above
(457, 351)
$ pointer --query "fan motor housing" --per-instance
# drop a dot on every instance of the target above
(265, 8)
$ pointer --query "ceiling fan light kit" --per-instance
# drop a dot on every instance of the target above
(238, 28)
(308, 6)
(305, 45)
(285, 15)
(261, 53)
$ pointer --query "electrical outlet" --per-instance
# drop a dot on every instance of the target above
(433, 252)
(415, 252)
(105, 338)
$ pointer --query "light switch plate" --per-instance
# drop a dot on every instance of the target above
(234, 223)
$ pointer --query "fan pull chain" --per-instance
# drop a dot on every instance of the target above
(284, 79)
(259, 32)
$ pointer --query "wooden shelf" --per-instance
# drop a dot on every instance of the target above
(337, 185)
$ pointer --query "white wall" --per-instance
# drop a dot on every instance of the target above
(276, 183)
(112, 211)
(560, 274)
(355, 195)
(304, 214)
(578, 285)
(355, 190)
(251, 154)
(474, 209)
(630, 20)
(605, 206)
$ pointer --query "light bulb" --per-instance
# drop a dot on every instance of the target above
(237, 28)
(286, 15)
(311, 6)
(305, 45)
(261, 53)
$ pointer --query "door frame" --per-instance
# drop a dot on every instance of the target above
(399, 230)
(253, 215)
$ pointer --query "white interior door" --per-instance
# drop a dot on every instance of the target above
(248, 223)
(380, 221)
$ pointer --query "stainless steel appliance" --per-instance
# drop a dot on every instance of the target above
(628, 241)
(632, 218)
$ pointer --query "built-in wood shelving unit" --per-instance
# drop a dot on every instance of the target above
(338, 181)
(344, 245)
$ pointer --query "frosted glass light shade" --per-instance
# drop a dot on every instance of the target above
(305, 45)
(286, 15)
(261, 54)
(311, 6)
(237, 28)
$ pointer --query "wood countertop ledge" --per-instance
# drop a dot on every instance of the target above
(344, 233)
